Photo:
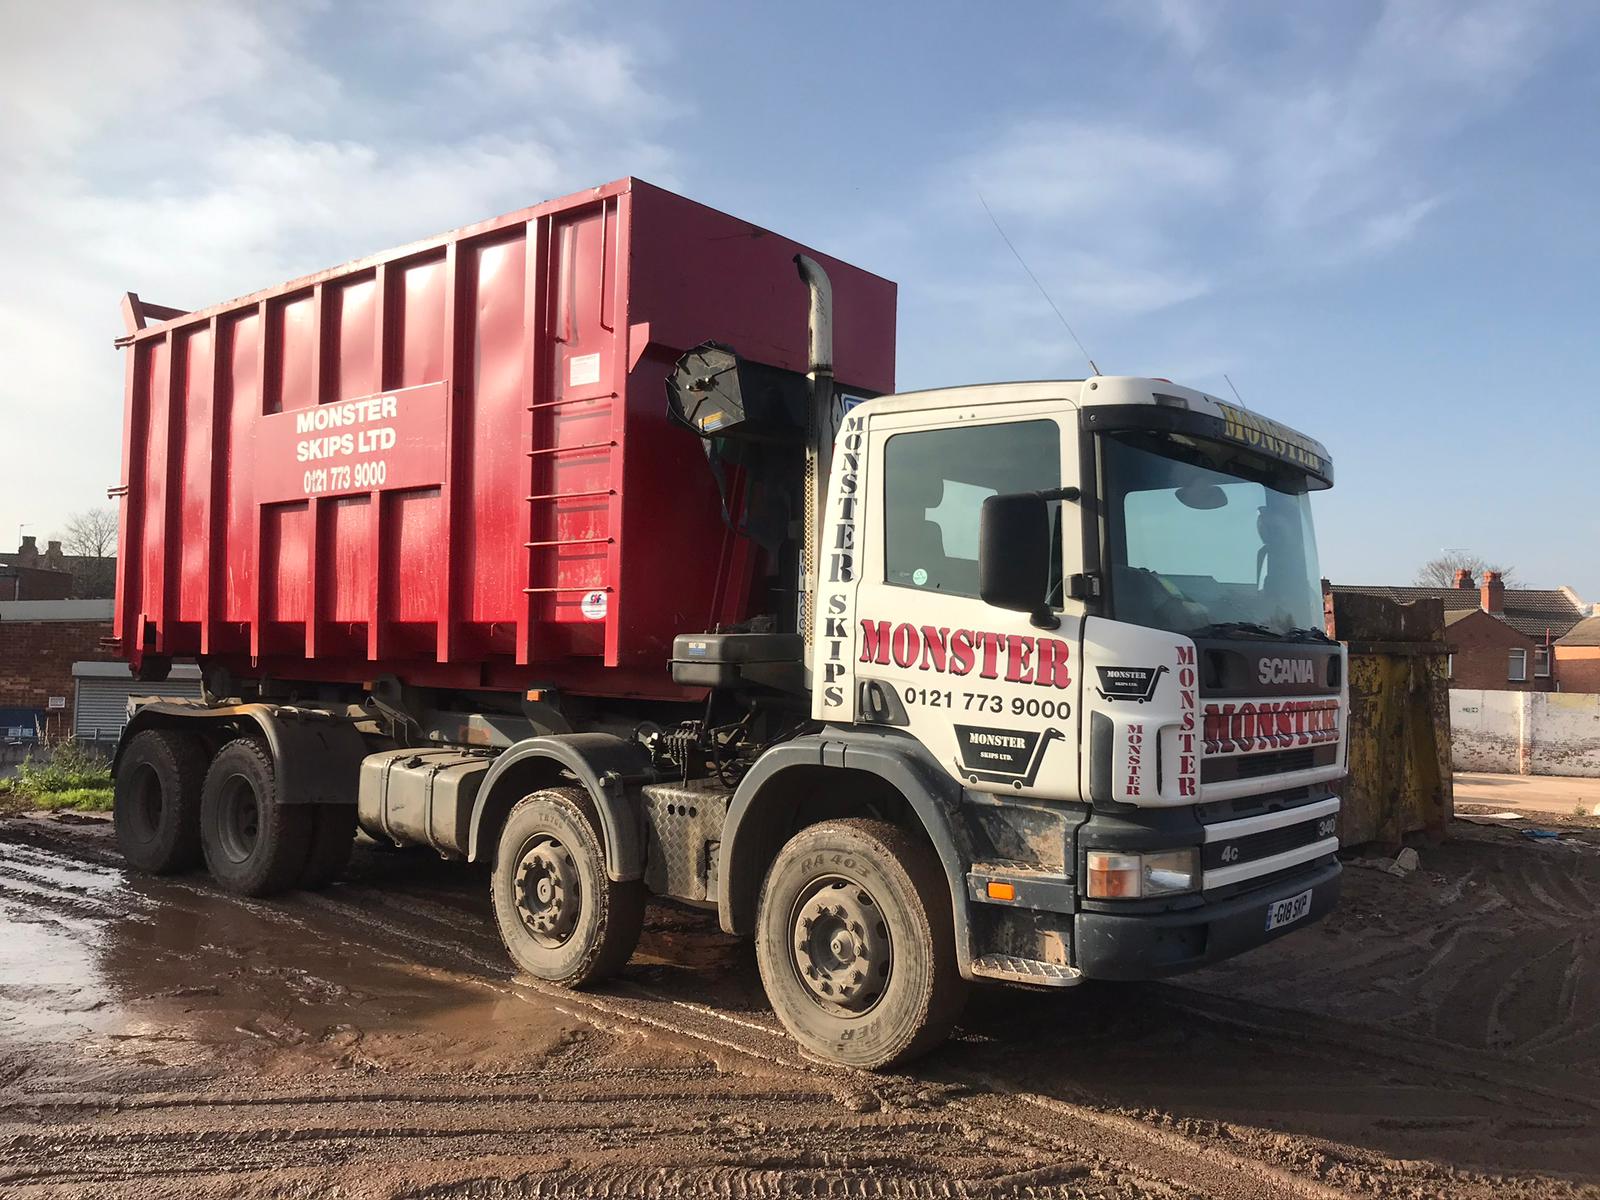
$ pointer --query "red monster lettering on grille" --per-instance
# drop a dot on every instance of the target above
(1257, 726)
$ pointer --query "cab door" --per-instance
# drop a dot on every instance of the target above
(991, 696)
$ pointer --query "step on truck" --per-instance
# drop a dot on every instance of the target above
(592, 543)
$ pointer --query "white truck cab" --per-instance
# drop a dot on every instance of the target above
(1095, 606)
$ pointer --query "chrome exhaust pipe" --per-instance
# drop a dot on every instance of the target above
(819, 325)
(820, 429)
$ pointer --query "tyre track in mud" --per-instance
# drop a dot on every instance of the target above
(1152, 1154)
(1538, 965)
(764, 1051)
(1498, 953)
(1115, 1140)
(810, 1142)
(951, 1129)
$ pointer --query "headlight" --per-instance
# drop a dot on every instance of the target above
(1116, 876)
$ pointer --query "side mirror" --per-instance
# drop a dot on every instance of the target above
(1014, 553)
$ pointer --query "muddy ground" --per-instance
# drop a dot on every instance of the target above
(1439, 1036)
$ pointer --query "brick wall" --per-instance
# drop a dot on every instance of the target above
(1578, 668)
(36, 660)
(1525, 733)
(1482, 647)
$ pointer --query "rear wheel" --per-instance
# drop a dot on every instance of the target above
(255, 845)
(561, 917)
(855, 944)
(157, 801)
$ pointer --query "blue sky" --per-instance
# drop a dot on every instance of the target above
(1378, 219)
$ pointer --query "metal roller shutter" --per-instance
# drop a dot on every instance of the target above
(101, 707)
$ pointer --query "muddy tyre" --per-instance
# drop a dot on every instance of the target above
(855, 944)
(562, 919)
(333, 836)
(156, 803)
(254, 843)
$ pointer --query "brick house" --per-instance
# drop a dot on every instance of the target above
(1578, 657)
(58, 681)
(40, 640)
(1502, 639)
(30, 574)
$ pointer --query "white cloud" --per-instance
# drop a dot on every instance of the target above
(1314, 149)
(1305, 157)
(478, 21)
(1074, 169)
(193, 152)
(1343, 145)
(1095, 210)
(599, 76)
(1382, 231)
(1481, 45)
(1189, 24)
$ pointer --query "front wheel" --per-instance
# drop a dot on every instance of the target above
(856, 944)
(561, 917)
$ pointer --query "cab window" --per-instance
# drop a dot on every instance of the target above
(935, 484)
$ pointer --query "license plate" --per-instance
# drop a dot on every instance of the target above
(1286, 912)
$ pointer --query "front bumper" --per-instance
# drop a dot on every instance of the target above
(1150, 945)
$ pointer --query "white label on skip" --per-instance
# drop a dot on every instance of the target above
(585, 368)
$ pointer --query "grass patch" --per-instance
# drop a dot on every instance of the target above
(10, 802)
(65, 775)
(94, 799)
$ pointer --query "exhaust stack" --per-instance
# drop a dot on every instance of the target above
(821, 425)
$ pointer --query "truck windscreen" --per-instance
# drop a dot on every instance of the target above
(1206, 539)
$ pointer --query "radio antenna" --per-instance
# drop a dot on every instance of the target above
(1065, 324)
(1235, 390)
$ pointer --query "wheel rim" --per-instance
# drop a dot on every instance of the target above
(145, 800)
(549, 894)
(238, 819)
(840, 946)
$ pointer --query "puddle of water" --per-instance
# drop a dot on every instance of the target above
(50, 983)
(179, 972)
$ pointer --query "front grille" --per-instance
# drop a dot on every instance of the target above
(1275, 762)
(1282, 875)
(1254, 806)
(1232, 851)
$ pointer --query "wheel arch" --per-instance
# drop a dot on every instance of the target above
(317, 758)
(607, 767)
(773, 796)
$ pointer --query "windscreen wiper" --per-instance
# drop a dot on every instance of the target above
(1308, 635)
(1255, 629)
(1222, 628)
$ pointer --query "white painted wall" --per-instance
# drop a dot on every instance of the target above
(1525, 733)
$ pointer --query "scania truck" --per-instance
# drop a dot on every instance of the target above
(593, 543)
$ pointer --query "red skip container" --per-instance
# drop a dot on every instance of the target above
(452, 462)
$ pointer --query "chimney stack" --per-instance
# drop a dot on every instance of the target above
(28, 552)
(1463, 580)
(53, 558)
(1494, 593)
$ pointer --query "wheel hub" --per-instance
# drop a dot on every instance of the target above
(841, 945)
(240, 819)
(548, 898)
